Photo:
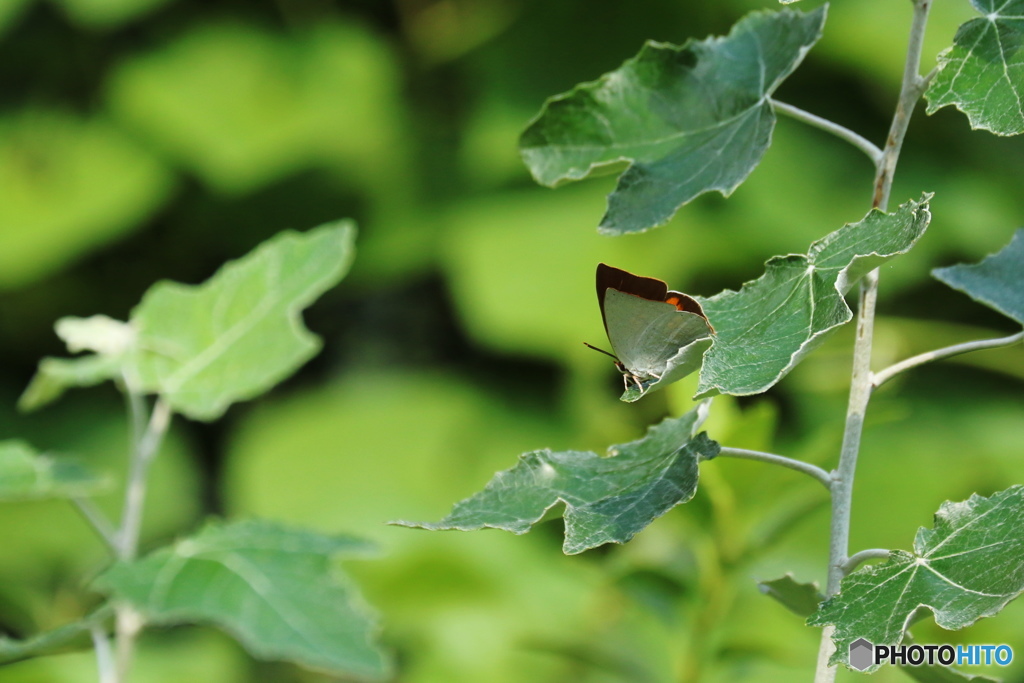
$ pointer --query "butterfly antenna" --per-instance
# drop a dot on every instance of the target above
(601, 351)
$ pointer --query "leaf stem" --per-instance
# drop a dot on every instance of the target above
(858, 141)
(129, 622)
(880, 378)
(104, 654)
(98, 521)
(861, 379)
(858, 558)
(823, 477)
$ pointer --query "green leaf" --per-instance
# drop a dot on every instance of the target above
(67, 637)
(233, 337)
(936, 673)
(204, 347)
(800, 598)
(27, 475)
(682, 120)
(997, 282)
(968, 567)
(607, 499)
(766, 328)
(273, 588)
(110, 339)
(56, 375)
(981, 73)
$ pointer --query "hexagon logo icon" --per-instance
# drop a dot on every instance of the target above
(862, 654)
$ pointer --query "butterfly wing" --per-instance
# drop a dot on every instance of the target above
(646, 334)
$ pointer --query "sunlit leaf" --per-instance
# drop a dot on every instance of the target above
(766, 328)
(110, 339)
(277, 590)
(97, 333)
(968, 567)
(56, 375)
(27, 475)
(997, 281)
(981, 74)
(682, 120)
(607, 499)
(238, 334)
(207, 346)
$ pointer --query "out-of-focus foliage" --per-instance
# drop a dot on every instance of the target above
(150, 140)
(69, 185)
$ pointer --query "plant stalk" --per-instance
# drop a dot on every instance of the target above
(861, 378)
(128, 622)
(104, 654)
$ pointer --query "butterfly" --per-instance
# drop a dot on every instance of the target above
(649, 327)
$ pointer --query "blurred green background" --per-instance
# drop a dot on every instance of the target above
(150, 139)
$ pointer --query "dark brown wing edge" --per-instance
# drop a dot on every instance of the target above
(649, 288)
(624, 281)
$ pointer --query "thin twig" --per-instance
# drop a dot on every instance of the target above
(98, 521)
(858, 558)
(104, 654)
(858, 141)
(128, 622)
(135, 491)
(861, 379)
(880, 378)
(823, 477)
(136, 407)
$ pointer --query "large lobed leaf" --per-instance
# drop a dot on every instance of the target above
(27, 475)
(803, 600)
(275, 589)
(982, 74)
(607, 499)
(969, 566)
(686, 120)
(997, 282)
(238, 334)
(766, 328)
(205, 347)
